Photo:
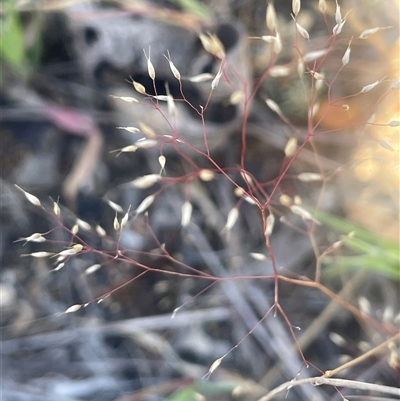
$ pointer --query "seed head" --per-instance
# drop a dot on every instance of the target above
(213, 45)
(73, 308)
(201, 78)
(322, 6)
(296, 5)
(127, 99)
(150, 68)
(232, 218)
(145, 204)
(92, 269)
(269, 225)
(139, 87)
(174, 70)
(215, 81)
(309, 177)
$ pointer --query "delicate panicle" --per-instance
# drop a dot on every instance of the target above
(124, 220)
(206, 175)
(303, 32)
(31, 198)
(36, 237)
(346, 56)
(369, 87)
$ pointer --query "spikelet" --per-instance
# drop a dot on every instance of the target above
(186, 213)
(31, 198)
(174, 70)
(150, 68)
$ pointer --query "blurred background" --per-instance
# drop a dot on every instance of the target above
(65, 65)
